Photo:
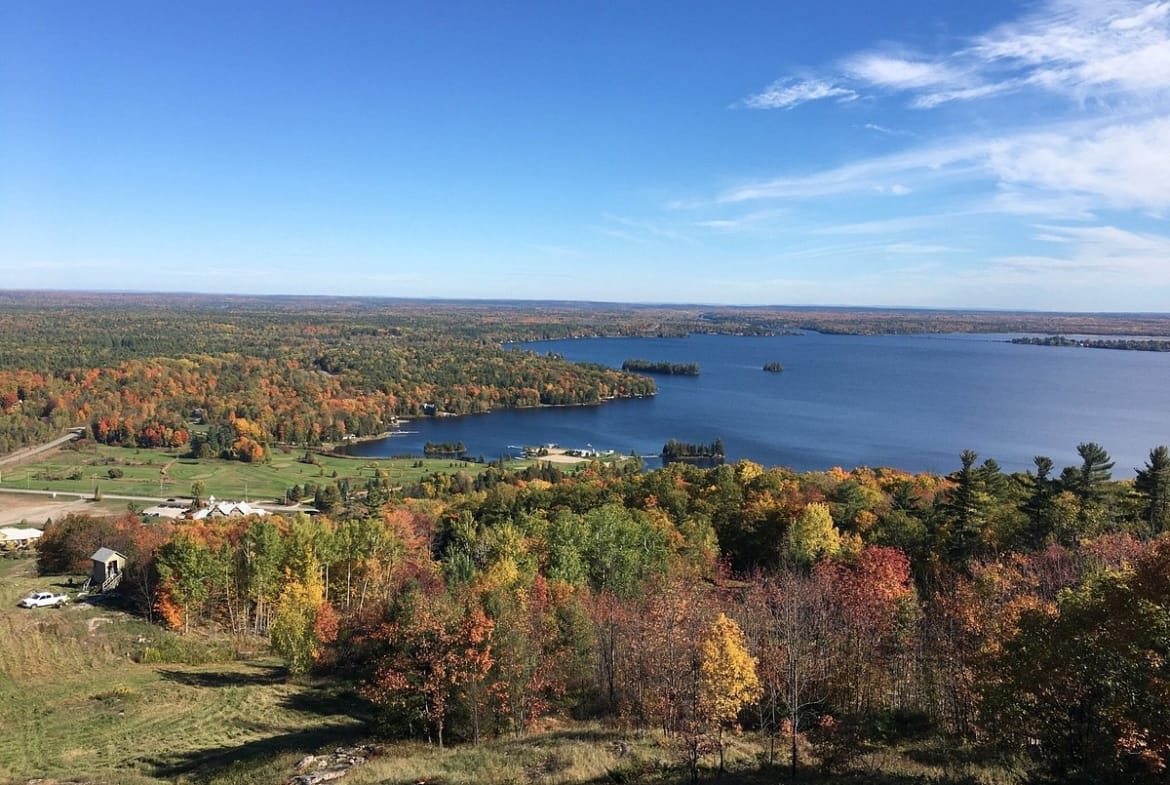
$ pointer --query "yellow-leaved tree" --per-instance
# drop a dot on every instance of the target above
(297, 629)
(727, 673)
(813, 535)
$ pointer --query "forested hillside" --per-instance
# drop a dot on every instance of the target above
(142, 374)
(827, 611)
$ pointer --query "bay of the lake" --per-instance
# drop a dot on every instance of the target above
(912, 402)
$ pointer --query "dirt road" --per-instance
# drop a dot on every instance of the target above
(34, 509)
(29, 452)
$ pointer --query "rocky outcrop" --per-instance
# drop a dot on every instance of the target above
(316, 769)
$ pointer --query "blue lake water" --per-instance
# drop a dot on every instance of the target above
(911, 402)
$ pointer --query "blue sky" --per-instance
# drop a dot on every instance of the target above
(1005, 155)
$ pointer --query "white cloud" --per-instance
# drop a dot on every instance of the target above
(1072, 47)
(1072, 170)
(931, 100)
(1122, 166)
(1080, 49)
(787, 93)
(899, 73)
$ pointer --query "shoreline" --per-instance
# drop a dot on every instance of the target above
(443, 415)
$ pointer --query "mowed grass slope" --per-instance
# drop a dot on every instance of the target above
(74, 705)
(164, 474)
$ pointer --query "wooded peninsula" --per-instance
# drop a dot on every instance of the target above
(1127, 344)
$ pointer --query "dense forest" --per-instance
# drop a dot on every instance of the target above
(265, 372)
(1027, 614)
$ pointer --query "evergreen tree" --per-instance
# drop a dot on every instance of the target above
(966, 509)
(1088, 484)
(1039, 502)
(1153, 483)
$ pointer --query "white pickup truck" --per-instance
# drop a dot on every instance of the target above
(43, 599)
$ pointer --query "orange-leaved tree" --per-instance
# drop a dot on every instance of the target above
(439, 647)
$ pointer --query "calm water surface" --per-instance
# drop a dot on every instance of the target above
(912, 402)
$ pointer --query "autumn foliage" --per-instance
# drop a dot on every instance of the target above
(816, 610)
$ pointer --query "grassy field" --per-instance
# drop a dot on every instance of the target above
(75, 705)
(164, 474)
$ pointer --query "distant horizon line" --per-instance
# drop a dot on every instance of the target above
(564, 301)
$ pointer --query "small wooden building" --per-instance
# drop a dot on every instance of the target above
(107, 568)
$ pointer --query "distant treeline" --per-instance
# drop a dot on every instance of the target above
(674, 450)
(665, 368)
(773, 367)
(1128, 344)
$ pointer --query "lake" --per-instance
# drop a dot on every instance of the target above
(911, 402)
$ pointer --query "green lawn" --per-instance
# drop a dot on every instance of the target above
(163, 473)
(74, 704)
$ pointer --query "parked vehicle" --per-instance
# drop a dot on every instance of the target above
(44, 599)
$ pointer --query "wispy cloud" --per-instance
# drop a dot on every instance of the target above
(787, 93)
(1123, 166)
(919, 248)
(951, 158)
(884, 226)
(747, 221)
(1080, 49)
(1091, 256)
(1056, 211)
(1087, 167)
(899, 73)
(881, 129)
(643, 231)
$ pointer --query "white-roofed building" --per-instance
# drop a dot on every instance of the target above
(13, 537)
(225, 509)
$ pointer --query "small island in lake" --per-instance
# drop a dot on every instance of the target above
(773, 367)
(664, 368)
(444, 449)
(709, 454)
(1125, 344)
